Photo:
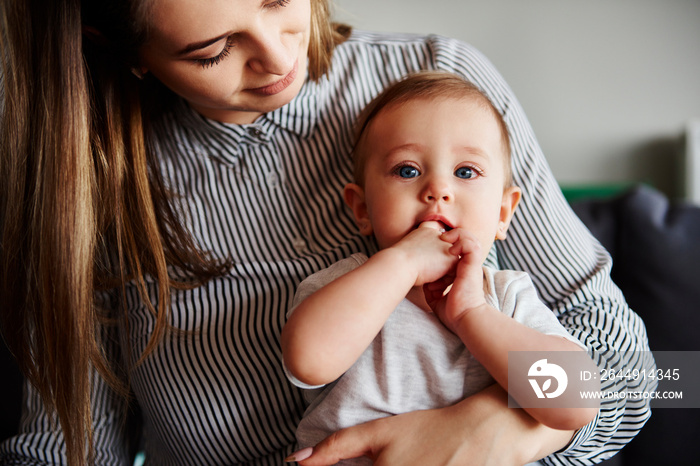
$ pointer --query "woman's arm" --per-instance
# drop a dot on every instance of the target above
(479, 431)
(330, 329)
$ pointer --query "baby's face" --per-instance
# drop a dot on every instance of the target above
(438, 160)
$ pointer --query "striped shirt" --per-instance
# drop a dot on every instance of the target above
(269, 196)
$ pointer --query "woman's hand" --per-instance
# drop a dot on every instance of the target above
(480, 430)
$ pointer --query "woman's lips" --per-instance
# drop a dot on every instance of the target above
(279, 86)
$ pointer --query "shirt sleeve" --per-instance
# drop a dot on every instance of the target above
(569, 268)
(313, 283)
(516, 297)
(318, 280)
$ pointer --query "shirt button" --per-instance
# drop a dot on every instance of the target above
(273, 179)
(300, 245)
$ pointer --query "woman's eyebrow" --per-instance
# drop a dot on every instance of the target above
(202, 44)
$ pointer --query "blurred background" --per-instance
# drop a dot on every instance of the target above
(610, 87)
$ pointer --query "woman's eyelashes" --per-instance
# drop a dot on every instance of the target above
(278, 4)
(215, 60)
(230, 40)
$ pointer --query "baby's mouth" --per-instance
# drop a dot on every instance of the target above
(442, 226)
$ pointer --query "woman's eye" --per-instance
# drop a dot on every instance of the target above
(278, 4)
(407, 172)
(465, 173)
(207, 62)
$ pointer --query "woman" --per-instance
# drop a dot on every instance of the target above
(172, 168)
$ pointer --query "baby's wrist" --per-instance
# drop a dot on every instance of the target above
(462, 322)
(398, 261)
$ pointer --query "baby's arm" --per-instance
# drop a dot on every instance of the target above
(489, 334)
(330, 329)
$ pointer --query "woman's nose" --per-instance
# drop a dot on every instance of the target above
(269, 54)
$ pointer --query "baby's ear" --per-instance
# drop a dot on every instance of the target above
(511, 197)
(354, 197)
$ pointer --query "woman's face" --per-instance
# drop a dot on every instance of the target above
(232, 60)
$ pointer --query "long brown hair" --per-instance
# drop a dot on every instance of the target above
(83, 206)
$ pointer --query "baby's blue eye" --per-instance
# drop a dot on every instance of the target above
(465, 173)
(408, 172)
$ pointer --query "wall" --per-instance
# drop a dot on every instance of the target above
(608, 85)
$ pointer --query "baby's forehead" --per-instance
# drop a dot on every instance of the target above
(388, 119)
(472, 102)
(413, 108)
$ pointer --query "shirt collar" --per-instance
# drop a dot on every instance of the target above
(301, 114)
(224, 141)
(298, 116)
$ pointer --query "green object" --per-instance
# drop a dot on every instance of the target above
(594, 191)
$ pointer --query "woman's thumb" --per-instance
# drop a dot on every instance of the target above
(347, 443)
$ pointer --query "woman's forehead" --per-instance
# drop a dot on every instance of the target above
(177, 23)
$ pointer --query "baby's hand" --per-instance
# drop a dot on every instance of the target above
(428, 252)
(455, 294)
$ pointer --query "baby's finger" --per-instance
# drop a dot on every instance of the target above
(466, 244)
(452, 235)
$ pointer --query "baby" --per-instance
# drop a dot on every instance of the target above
(422, 323)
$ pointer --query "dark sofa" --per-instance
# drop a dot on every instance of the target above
(656, 251)
(655, 245)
